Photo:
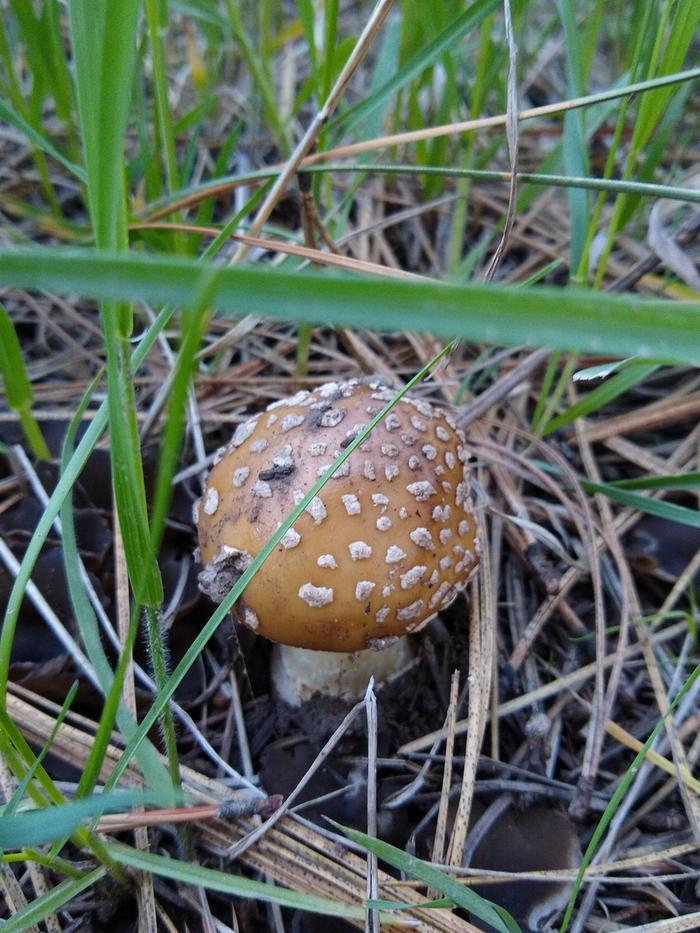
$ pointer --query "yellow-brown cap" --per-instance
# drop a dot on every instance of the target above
(389, 541)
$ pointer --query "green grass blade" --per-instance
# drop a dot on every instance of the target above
(307, 18)
(668, 510)
(542, 179)
(452, 34)
(478, 92)
(103, 33)
(259, 74)
(537, 316)
(14, 801)
(602, 395)
(127, 470)
(150, 764)
(228, 883)
(610, 185)
(636, 61)
(461, 894)
(18, 388)
(104, 43)
(48, 903)
(156, 17)
(574, 149)
(36, 827)
(676, 481)
(9, 115)
(616, 800)
(330, 42)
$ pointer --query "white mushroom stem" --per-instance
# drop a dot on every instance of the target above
(299, 673)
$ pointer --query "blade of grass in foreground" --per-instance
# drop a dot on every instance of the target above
(565, 319)
(228, 883)
(104, 39)
(35, 827)
(462, 896)
(48, 903)
(149, 762)
(8, 730)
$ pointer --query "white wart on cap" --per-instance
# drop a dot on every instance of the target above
(389, 541)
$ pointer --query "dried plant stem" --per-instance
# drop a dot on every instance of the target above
(482, 625)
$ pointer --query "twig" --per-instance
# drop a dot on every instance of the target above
(370, 702)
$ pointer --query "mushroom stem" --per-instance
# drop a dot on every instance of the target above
(299, 673)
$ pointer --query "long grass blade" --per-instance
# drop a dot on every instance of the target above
(229, 883)
(537, 316)
(104, 44)
(497, 917)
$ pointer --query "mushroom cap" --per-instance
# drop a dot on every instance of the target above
(389, 541)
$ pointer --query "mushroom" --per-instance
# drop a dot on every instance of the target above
(389, 541)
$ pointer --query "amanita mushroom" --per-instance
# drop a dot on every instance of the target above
(389, 541)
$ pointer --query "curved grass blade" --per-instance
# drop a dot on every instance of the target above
(602, 395)
(668, 510)
(48, 903)
(462, 896)
(223, 183)
(10, 116)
